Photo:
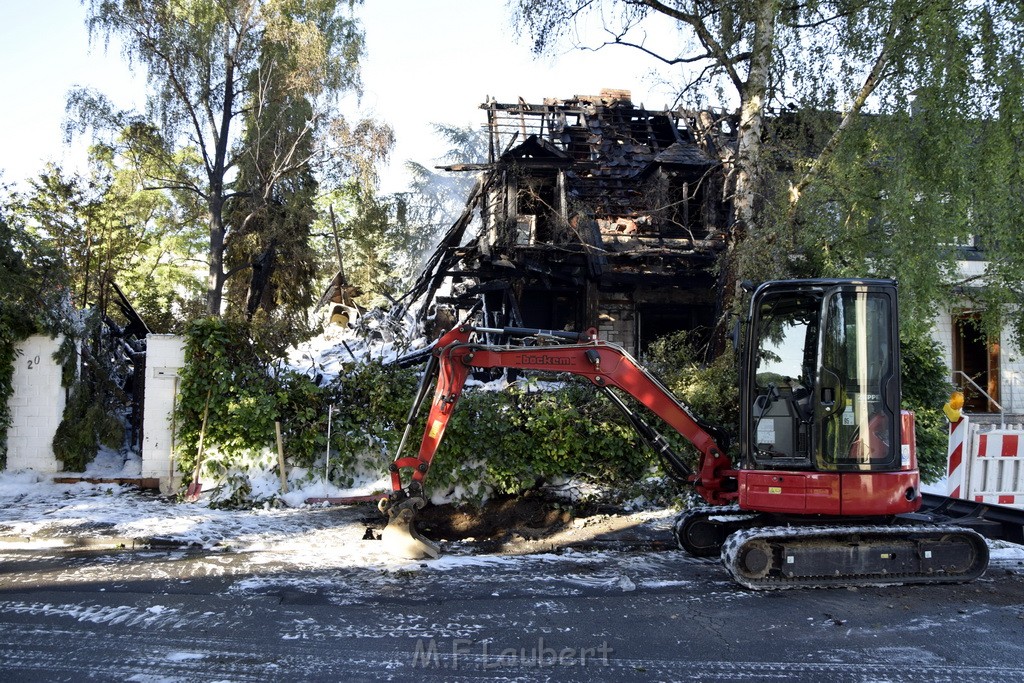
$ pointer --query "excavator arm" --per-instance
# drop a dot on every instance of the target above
(606, 365)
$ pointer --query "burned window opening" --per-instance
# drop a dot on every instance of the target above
(656, 320)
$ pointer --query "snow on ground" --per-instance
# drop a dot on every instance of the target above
(110, 464)
(1006, 554)
(39, 512)
(266, 549)
(35, 512)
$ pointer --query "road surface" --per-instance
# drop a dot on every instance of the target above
(615, 615)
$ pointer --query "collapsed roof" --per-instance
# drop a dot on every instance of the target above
(583, 202)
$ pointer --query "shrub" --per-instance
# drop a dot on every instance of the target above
(242, 395)
(710, 390)
(497, 442)
(510, 441)
(926, 387)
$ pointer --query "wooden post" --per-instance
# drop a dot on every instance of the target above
(195, 488)
(280, 458)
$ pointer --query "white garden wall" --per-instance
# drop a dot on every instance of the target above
(165, 356)
(37, 406)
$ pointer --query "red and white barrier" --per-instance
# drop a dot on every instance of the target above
(955, 456)
(986, 466)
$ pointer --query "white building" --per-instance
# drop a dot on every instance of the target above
(994, 366)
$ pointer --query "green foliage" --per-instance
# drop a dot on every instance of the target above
(514, 440)
(223, 369)
(381, 243)
(104, 227)
(270, 242)
(936, 169)
(711, 390)
(262, 103)
(94, 410)
(8, 354)
(926, 388)
(87, 423)
(371, 402)
(247, 396)
(14, 277)
(384, 239)
(497, 443)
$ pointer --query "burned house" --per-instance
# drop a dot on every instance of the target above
(590, 212)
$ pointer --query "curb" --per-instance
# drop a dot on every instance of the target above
(71, 543)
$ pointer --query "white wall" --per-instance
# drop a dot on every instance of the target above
(37, 406)
(165, 356)
(1011, 363)
(942, 333)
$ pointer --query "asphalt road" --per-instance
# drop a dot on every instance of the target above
(598, 615)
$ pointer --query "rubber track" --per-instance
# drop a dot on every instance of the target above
(841, 536)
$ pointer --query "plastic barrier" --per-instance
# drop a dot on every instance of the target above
(986, 463)
(955, 456)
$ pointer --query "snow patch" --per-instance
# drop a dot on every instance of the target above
(184, 656)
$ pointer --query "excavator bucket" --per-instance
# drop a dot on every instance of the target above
(400, 536)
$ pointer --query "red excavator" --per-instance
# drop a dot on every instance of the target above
(824, 488)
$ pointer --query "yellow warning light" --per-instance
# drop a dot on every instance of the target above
(956, 400)
(952, 409)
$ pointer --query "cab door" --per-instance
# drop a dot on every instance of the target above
(857, 397)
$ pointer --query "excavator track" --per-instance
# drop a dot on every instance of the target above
(771, 558)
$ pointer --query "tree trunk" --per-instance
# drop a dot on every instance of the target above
(746, 173)
(215, 281)
(218, 231)
(748, 139)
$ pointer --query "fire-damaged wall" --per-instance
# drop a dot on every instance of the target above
(592, 212)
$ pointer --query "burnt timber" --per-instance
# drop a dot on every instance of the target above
(589, 212)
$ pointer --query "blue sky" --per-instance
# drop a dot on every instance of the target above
(44, 50)
(427, 62)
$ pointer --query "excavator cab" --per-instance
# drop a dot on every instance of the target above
(822, 377)
(821, 429)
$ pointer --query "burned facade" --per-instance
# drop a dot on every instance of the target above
(591, 212)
